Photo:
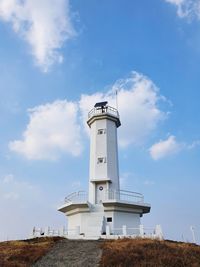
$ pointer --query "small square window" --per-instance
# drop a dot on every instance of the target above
(101, 160)
(101, 131)
(109, 219)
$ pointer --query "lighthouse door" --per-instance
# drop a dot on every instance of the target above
(100, 193)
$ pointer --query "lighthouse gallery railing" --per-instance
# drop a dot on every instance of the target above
(115, 195)
(103, 110)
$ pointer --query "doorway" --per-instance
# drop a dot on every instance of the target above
(100, 193)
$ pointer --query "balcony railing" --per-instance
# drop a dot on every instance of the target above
(110, 195)
(77, 197)
(103, 110)
(123, 195)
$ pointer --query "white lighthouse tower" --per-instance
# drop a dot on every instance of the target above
(105, 210)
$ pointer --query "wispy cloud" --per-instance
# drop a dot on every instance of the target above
(45, 25)
(18, 197)
(12, 189)
(138, 105)
(52, 130)
(149, 183)
(165, 148)
(189, 9)
(194, 144)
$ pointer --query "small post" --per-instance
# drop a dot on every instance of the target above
(193, 234)
(34, 231)
(124, 230)
(158, 231)
(78, 230)
(65, 232)
(107, 230)
(46, 231)
(141, 228)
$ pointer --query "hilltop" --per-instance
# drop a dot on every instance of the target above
(55, 251)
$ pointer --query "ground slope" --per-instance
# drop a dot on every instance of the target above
(72, 253)
(149, 253)
(24, 253)
(57, 252)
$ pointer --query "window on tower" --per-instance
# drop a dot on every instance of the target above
(101, 160)
(101, 131)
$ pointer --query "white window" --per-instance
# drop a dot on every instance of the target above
(101, 160)
(101, 131)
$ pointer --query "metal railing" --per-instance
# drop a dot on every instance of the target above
(77, 197)
(116, 195)
(124, 195)
(103, 110)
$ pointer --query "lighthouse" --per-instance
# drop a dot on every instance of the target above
(105, 209)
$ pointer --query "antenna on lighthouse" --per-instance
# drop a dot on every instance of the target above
(116, 98)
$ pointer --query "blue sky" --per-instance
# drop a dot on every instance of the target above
(59, 57)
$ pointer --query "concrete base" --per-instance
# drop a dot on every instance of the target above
(108, 218)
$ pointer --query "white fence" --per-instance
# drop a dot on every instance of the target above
(124, 231)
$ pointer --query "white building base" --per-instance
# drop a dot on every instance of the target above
(110, 218)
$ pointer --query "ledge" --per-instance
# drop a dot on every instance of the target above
(100, 180)
(74, 207)
(126, 206)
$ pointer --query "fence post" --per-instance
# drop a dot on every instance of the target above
(141, 228)
(78, 230)
(193, 234)
(107, 230)
(158, 231)
(46, 231)
(124, 230)
(34, 230)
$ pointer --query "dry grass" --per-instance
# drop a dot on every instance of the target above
(24, 253)
(117, 253)
(149, 253)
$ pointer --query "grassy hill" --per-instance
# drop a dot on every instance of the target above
(24, 253)
(149, 253)
(114, 253)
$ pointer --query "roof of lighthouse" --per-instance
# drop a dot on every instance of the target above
(101, 104)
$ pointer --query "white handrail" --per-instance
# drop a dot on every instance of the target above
(124, 195)
(103, 110)
(119, 195)
(79, 196)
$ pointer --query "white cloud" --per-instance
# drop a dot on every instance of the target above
(138, 99)
(11, 195)
(76, 184)
(24, 205)
(13, 189)
(187, 8)
(165, 148)
(53, 129)
(8, 178)
(149, 183)
(45, 25)
(194, 144)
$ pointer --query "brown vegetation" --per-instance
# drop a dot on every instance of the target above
(24, 253)
(149, 253)
(115, 253)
